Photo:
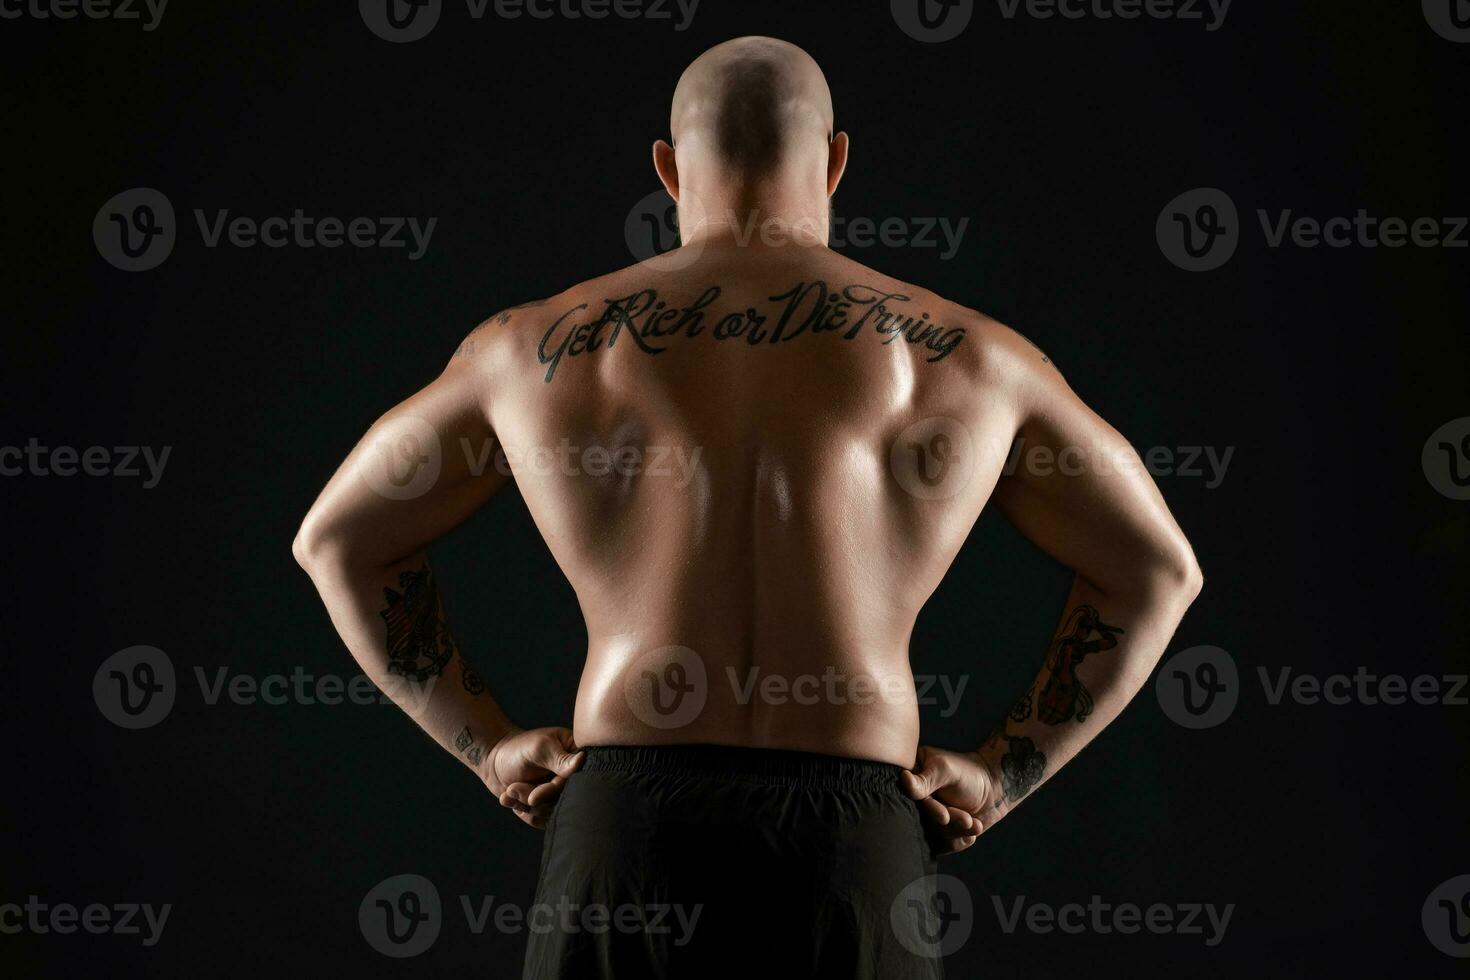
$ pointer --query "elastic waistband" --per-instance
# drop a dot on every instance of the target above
(775, 766)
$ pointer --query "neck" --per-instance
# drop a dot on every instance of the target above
(777, 211)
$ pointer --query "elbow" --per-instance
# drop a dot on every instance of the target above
(1179, 573)
(305, 549)
(1165, 574)
(313, 548)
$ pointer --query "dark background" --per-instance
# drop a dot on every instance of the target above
(1324, 549)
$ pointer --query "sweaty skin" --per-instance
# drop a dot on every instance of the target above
(754, 459)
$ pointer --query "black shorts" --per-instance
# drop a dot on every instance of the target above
(706, 861)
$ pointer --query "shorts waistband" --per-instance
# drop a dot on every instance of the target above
(774, 766)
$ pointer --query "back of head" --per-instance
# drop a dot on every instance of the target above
(753, 105)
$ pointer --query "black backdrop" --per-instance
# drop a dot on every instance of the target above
(1325, 370)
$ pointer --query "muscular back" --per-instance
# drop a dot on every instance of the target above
(754, 468)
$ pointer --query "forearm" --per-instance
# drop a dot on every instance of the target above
(1102, 653)
(392, 621)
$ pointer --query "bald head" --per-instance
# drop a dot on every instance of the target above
(754, 104)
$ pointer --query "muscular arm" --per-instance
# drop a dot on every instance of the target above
(420, 471)
(1097, 512)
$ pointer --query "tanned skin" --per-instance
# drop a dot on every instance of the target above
(828, 437)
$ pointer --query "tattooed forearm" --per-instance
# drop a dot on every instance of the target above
(471, 680)
(1021, 768)
(1064, 696)
(1021, 710)
(1057, 696)
(419, 644)
(468, 746)
(807, 308)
